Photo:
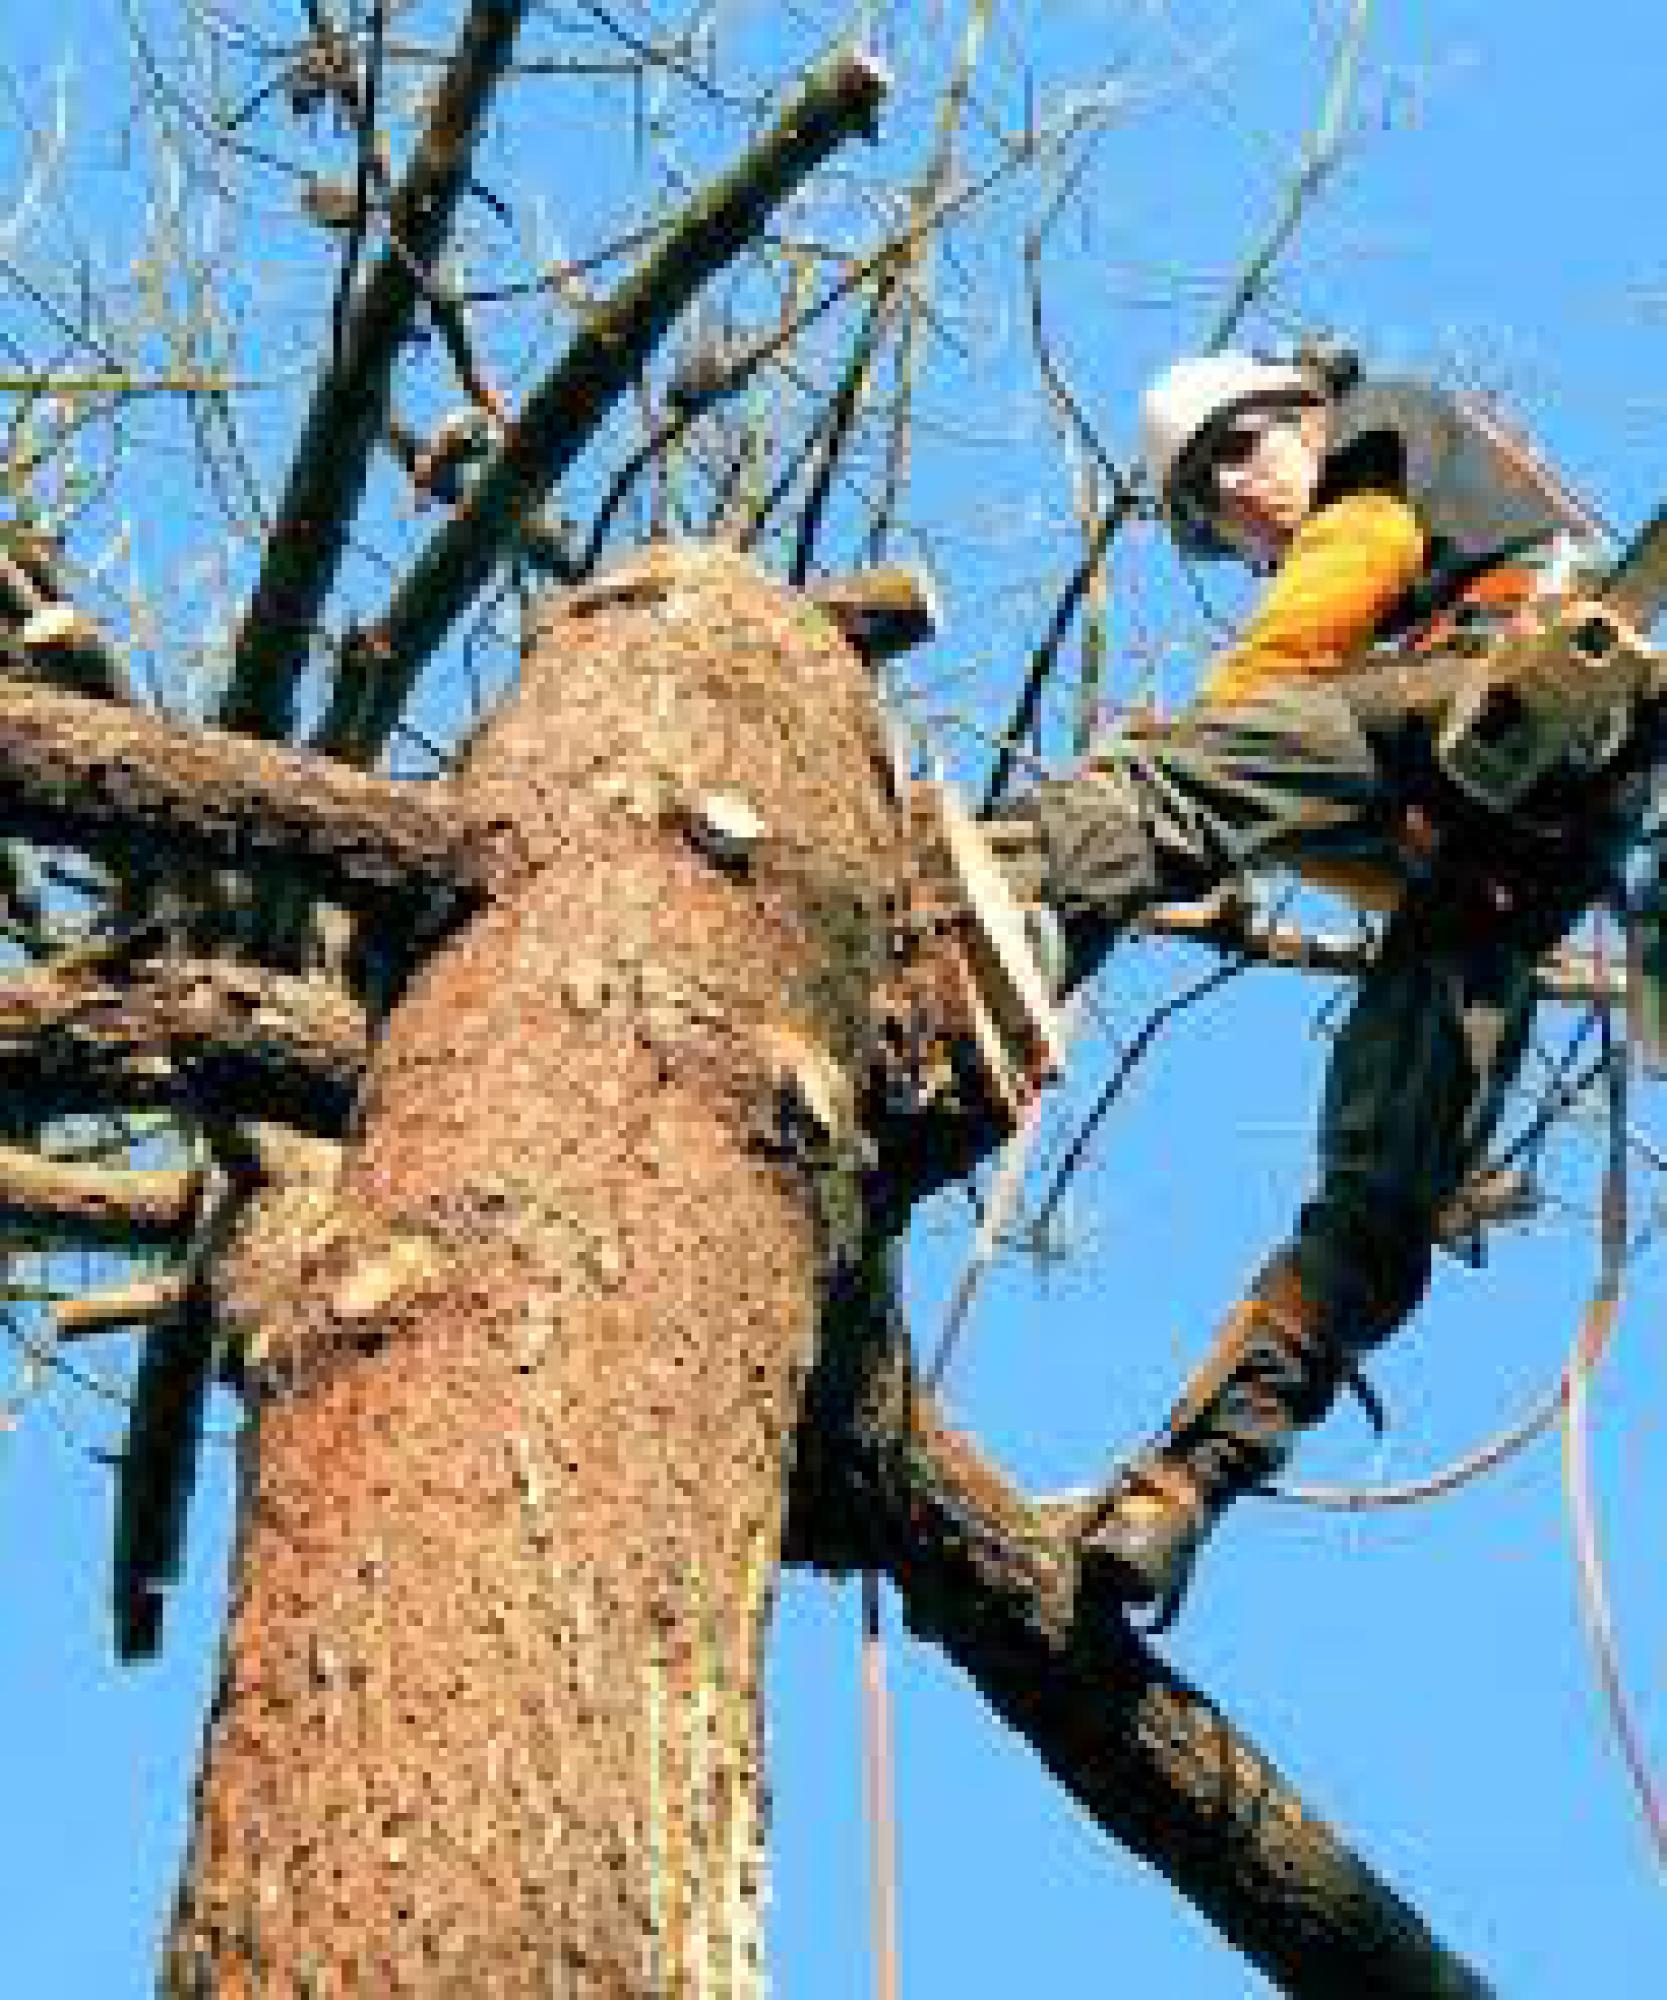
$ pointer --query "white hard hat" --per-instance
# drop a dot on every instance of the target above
(1196, 393)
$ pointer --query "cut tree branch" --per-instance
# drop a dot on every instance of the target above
(350, 404)
(615, 341)
(124, 784)
(882, 611)
(226, 1037)
(76, 1204)
(140, 1304)
(52, 640)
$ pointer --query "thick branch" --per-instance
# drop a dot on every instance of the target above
(230, 1038)
(123, 783)
(93, 1205)
(350, 403)
(607, 355)
(989, 1578)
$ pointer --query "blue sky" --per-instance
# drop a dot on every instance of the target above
(1421, 1675)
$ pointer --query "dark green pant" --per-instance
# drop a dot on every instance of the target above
(1438, 1026)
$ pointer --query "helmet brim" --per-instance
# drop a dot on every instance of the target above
(1190, 489)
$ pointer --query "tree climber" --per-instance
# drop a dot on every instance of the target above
(1397, 529)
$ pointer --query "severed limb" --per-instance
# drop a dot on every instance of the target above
(67, 1203)
(141, 1303)
(157, 1472)
(882, 611)
(49, 638)
(838, 99)
(882, 1483)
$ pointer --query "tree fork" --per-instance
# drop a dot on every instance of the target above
(837, 100)
(327, 479)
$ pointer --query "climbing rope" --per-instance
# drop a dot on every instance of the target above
(1449, 1478)
(1569, 1402)
(879, 1794)
(1596, 1328)
(1000, 1206)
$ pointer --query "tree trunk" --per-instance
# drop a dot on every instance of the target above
(526, 1378)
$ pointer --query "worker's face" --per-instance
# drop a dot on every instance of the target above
(1265, 476)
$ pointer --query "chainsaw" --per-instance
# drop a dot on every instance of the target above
(1569, 693)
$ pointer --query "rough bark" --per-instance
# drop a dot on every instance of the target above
(130, 785)
(221, 1037)
(837, 100)
(527, 1378)
(526, 1381)
(988, 1576)
(350, 404)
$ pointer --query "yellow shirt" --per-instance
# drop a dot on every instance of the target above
(1346, 566)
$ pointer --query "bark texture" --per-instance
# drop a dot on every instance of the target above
(212, 1034)
(527, 1375)
(136, 787)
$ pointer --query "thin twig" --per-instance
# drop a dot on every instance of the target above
(1320, 155)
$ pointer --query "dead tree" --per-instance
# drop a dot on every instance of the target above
(534, 1355)
(546, 1225)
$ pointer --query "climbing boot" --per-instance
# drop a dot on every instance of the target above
(1272, 1372)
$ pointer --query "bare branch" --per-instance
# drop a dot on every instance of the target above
(1319, 156)
(838, 418)
(227, 1037)
(987, 1576)
(1578, 978)
(140, 1304)
(835, 101)
(349, 407)
(1028, 705)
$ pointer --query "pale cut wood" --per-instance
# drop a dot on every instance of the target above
(71, 1203)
